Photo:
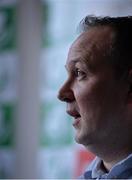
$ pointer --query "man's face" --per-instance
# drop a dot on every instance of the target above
(93, 95)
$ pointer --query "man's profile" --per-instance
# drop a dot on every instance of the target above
(98, 93)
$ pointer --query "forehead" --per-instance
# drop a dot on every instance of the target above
(92, 46)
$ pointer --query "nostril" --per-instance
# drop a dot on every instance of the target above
(65, 99)
(66, 94)
(68, 100)
(61, 97)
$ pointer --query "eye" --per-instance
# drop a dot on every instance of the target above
(79, 73)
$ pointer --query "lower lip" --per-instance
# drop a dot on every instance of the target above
(76, 122)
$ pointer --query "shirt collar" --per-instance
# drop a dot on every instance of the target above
(98, 170)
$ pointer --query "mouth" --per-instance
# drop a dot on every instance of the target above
(76, 122)
(76, 116)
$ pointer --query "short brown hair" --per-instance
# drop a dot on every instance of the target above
(121, 54)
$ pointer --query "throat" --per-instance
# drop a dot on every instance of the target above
(108, 165)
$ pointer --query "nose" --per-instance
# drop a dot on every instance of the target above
(66, 93)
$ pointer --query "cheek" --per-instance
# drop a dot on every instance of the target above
(94, 98)
(87, 100)
(90, 94)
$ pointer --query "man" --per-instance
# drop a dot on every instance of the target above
(98, 93)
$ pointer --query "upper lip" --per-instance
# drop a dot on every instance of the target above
(73, 113)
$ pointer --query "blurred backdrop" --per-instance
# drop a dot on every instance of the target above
(36, 135)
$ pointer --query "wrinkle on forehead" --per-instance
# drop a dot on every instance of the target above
(93, 46)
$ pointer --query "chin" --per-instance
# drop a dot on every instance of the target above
(81, 139)
(84, 139)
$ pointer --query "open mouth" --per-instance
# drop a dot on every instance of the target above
(76, 122)
(77, 116)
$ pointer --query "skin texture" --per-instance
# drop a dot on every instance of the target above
(97, 100)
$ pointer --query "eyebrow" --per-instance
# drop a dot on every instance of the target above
(73, 62)
(89, 65)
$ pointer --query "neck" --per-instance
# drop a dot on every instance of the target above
(112, 157)
(109, 164)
